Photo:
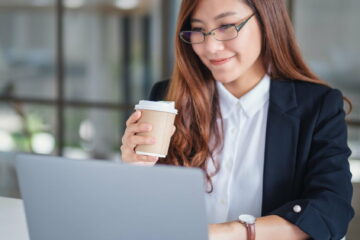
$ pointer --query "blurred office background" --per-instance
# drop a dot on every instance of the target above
(72, 70)
(70, 76)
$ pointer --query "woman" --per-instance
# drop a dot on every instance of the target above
(270, 136)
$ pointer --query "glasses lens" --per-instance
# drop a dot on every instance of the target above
(192, 36)
(226, 33)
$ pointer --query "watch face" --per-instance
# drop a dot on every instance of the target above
(245, 218)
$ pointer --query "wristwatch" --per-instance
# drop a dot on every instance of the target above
(249, 222)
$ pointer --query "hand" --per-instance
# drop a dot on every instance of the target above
(130, 140)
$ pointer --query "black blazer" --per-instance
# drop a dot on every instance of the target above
(306, 157)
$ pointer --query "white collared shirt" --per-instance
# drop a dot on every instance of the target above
(239, 183)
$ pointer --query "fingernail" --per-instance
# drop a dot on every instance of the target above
(151, 140)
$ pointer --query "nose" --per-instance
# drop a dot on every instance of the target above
(212, 45)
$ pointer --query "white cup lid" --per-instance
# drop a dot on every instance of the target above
(162, 106)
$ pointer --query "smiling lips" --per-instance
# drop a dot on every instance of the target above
(220, 61)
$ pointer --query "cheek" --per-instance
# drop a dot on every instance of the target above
(248, 45)
(200, 52)
(254, 41)
(197, 49)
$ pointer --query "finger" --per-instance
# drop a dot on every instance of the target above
(152, 159)
(126, 150)
(133, 118)
(128, 156)
(145, 158)
(133, 129)
(135, 140)
(173, 130)
(136, 128)
(127, 153)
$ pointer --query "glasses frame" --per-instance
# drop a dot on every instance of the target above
(211, 33)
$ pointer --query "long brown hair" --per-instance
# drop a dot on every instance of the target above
(193, 88)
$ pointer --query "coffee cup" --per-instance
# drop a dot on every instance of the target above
(161, 115)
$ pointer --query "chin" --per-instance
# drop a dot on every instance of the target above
(224, 79)
(226, 75)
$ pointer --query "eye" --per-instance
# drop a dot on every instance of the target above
(197, 29)
(226, 26)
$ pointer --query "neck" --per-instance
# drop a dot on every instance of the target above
(248, 81)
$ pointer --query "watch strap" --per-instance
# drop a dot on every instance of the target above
(250, 229)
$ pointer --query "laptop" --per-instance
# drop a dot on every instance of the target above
(101, 200)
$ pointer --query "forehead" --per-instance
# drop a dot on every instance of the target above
(207, 9)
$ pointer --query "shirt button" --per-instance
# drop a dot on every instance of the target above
(297, 208)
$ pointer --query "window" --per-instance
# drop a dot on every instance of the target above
(71, 71)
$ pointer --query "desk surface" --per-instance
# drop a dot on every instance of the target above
(12, 219)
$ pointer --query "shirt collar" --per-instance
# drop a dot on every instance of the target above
(250, 103)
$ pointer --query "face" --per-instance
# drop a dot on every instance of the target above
(234, 59)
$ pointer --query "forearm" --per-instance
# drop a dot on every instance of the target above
(267, 228)
(278, 228)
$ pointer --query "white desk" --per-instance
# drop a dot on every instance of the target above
(12, 220)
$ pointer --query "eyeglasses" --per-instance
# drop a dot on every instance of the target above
(223, 33)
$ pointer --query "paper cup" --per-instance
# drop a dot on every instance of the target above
(161, 115)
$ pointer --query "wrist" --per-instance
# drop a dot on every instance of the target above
(239, 231)
(248, 221)
(228, 230)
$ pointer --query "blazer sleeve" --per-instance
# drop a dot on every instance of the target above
(326, 200)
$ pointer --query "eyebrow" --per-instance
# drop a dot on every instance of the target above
(222, 15)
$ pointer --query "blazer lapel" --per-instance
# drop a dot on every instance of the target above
(280, 145)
